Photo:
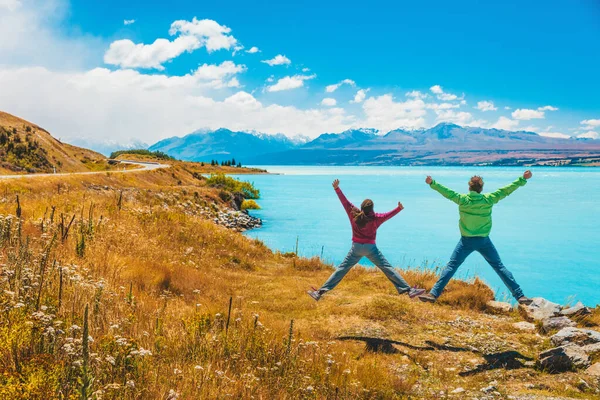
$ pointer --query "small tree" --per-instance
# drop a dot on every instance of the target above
(239, 165)
(233, 161)
(202, 164)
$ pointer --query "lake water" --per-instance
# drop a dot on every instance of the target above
(547, 232)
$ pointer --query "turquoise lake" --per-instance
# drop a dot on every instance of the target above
(547, 232)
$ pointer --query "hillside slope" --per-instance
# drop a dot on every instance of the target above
(27, 148)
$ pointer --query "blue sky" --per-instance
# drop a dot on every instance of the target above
(512, 64)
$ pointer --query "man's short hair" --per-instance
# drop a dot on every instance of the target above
(476, 184)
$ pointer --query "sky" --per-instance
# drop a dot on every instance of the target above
(129, 72)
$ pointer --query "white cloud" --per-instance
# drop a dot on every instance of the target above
(441, 95)
(234, 83)
(10, 5)
(278, 60)
(32, 33)
(441, 106)
(527, 114)
(385, 114)
(360, 96)
(590, 123)
(128, 21)
(486, 106)
(555, 135)
(589, 135)
(547, 108)
(121, 105)
(505, 123)
(192, 36)
(416, 94)
(213, 72)
(290, 82)
(211, 34)
(329, 102)
(457, 117)
(305, 69)
(127, 54)
(334, 87)
(436, 89)
(253, 50)
(507, 108)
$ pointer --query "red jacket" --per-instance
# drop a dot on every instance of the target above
(368, 233)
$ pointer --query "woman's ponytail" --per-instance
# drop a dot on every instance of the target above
(364, 215)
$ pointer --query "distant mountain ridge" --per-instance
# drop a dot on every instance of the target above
(443, 144)
(223, 144)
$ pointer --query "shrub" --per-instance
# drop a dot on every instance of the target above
(246, 189)
(142, 152)
(250, 205)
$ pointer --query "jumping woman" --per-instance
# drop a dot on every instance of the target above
(364, 223)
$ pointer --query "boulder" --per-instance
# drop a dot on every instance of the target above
(578, 310)
(575, 335)
(557, 323)
(524, 326)
(591, 349)
(594, 370)
(498, 307)
(564, 358)
(539, 310)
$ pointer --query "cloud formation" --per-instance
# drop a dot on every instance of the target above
(191, 35)
(335, 86)
(486, 106)
(128, 22)
(278, 60)
(360, 96)
(328, 102)
(290, 82)
(525, 114)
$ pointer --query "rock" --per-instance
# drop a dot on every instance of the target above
(557, 323)
(498, 307)
(591, 349)
(524, 326)
(577, 310)
(575, 335)
(594, 370)
(539, 310)
(489, 389)
(563, 358)
(458, 390)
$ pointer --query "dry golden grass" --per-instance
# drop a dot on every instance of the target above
(63, 156)
(158, 280)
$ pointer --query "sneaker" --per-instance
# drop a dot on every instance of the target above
(314, 293)
(415, 291)
(524, 300)
(427, 298)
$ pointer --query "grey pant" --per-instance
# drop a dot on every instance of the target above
(357, 252)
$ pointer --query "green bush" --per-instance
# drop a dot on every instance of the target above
(250, 205)
(143, 152)
(246, 189)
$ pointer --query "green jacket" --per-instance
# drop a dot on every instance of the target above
(475, 209)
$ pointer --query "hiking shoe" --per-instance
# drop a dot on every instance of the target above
(315, 294)
(415, 291)
(524, 300)
(427, 298)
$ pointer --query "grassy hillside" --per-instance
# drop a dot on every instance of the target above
(121, 287)
(28, 148)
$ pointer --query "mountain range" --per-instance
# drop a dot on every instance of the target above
(443, 144)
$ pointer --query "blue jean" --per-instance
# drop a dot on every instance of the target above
(357, 252)
(485, 247)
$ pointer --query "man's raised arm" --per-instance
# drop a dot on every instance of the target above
(443, 190)
(508, 189)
